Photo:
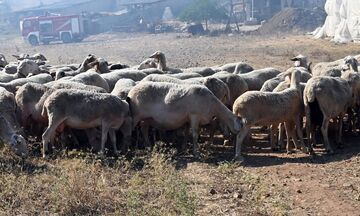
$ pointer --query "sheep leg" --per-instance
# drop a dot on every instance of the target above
(288, 134)
(239, 141)
(126, 131)
(272, 138)
(104, 133)
(340, 125)
(49, 134)
(281, 136)
(324, 131)
(305, 148)
(194, 124)
(145, 132)
(113, 140)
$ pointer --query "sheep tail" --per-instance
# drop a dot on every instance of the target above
(310, 96)
(128, 100)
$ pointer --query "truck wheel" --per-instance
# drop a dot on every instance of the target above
(66, 38)
(33, 40)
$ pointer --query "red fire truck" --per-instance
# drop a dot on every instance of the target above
(44, 29)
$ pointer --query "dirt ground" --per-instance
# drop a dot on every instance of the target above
(266, 184)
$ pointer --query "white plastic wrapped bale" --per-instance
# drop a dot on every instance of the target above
(332, 8)
(342, 22)
(349, 28)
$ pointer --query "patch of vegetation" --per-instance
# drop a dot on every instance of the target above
(85, 187)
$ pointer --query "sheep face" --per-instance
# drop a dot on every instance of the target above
(19, 146)
(350, 63)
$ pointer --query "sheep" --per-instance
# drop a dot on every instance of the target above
(333, 69)
(37, 56)
(27, 96)
(8, 106)
(3, 61)
(270, 108)
(203, 71)
(184, 76)
(215, 85)
(82, 110)
(301, 61)
(31, 96)
(147, 63)
(91, 78)
(149, 71)
(87, 64)
(9, 136)
(12, 86)
(117, 66)
(235, 67)
(122, 88)
(170, 106)
(272, 83)
(242, 68)
(112, 77)
(24, 68)
(161, 63)
(237, 85)
(326, 98)
(10, 68)
(255, 79)
(101, 65)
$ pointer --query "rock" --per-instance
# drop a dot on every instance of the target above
(237, 196)
(213, 191)
(299, 191)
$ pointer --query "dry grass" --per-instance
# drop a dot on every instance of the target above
(90, 186)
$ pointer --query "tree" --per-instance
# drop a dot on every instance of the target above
(204, 10)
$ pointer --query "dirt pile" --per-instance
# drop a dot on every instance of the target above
(294, 20)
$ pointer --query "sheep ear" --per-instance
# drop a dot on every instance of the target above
(294, 59)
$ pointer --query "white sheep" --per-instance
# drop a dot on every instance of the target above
(270, 108)
(82, 110)
(170, 106)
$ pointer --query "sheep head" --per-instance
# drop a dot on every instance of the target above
(350, 63)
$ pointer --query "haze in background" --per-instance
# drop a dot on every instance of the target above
(22, 4)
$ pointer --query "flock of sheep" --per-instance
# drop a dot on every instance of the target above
(129, 104)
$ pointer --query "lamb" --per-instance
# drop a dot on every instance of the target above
(326, 98)
(12, 86)
(170, 106)
(122, 88)
(161, 63)
(9, 136)
(255, 79)
(270, 108)
(112, 77)
(67, 108)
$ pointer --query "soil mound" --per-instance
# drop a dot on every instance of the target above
(294, 20)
